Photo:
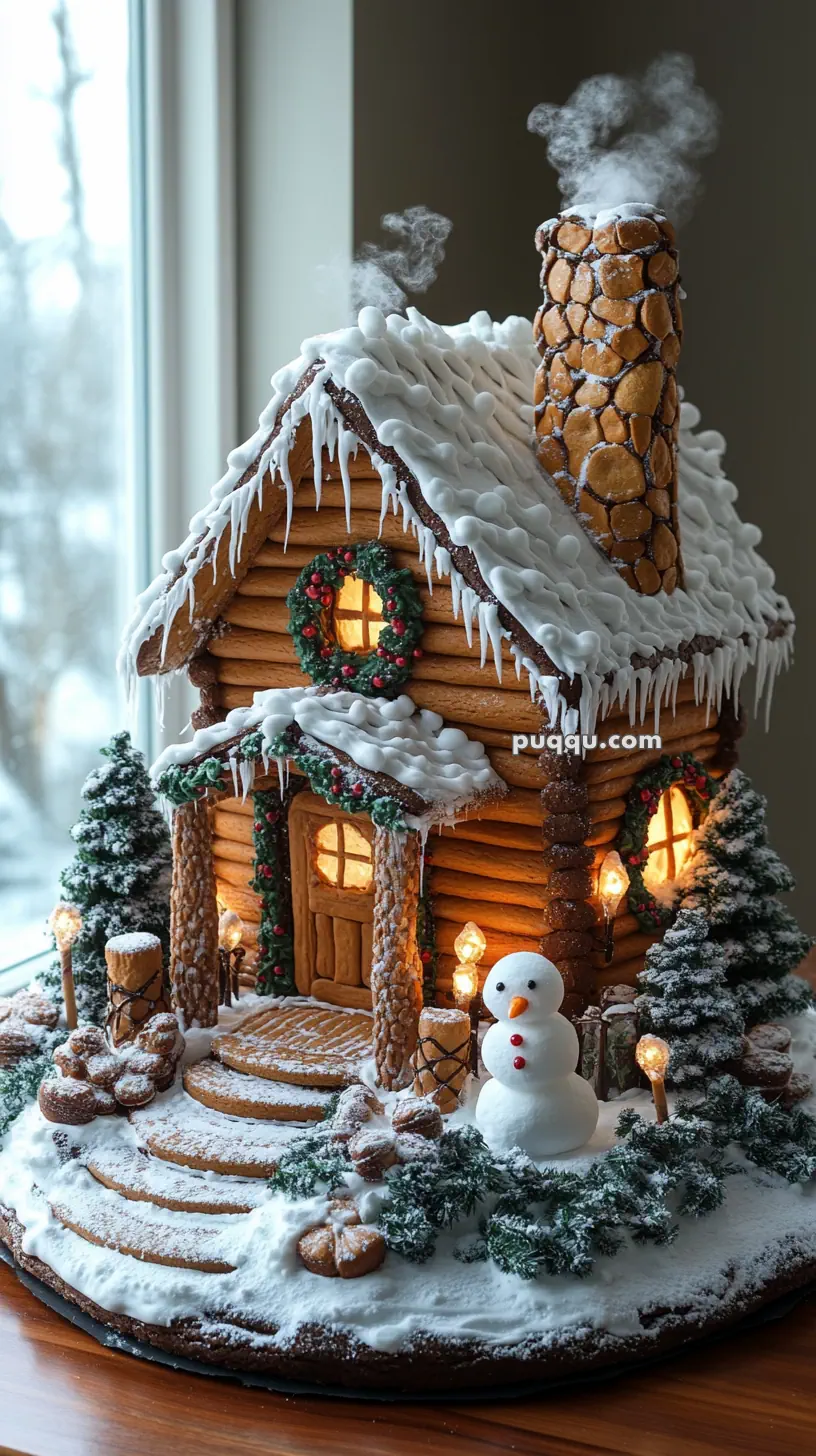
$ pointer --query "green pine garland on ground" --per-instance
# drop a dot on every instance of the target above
(19, 1085)
(120, 877)
(558, 1221)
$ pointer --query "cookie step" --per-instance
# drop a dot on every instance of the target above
(104, 1220)
(300, 1044)
(186, 1133)
(241, 1095)
(145, 1180)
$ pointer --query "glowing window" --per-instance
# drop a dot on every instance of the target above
(358, 619)
(669, 838)
(343, 856)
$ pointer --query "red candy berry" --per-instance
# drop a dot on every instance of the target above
(398, 626)
(676, 762)
(257, 826)
(337, 788)
(316, 578)
(336, 773)
(645, 795)
(401, 661)
(326, 599)
(271, 816)
(266, 871)
(309, 630)
(700, 783)
(347, 670)
(516, 1039)
(390, 605)
(426, 957)
(348, 555)
(377, 682)
(417, 652)
(326, 651)
(277, 930)
(357, 790)
(277, 970)
(519, 1062)
(381, 652)
(313, 593)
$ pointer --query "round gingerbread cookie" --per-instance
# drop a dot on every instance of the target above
(67, 1100)
(36, 1009)
(133, 1090)
(16, 1042)
(106, 1104)
(68, 1062)
(105, 1069)
(88, 1041)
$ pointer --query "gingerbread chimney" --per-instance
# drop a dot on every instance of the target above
(609, 333)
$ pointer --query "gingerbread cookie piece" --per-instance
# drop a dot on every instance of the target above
(35, 1009)
(355, 1106)
(418, 1116)
(87, 1041)
(132, 1090)
(15, 1042)
(104, 1070)
(67, 1100)
(343, 1246)
(372, 1150)
(769, 1036)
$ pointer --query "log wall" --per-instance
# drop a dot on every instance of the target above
(493, 869)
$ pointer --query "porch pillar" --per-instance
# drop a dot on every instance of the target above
(396, 970)
(194, 917)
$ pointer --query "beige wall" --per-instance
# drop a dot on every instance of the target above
(442, 89)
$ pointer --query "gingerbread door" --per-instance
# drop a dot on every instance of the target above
(332, 901)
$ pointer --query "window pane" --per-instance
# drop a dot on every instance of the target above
(64, 428)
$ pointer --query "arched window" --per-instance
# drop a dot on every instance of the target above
(357, 618)
(669, 838)
(343, 856)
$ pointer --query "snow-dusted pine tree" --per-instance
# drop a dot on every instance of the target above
(734, 878)
(120, 877)
(686, 1000)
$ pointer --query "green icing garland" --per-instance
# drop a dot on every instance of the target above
(272, 883)
(385, 669)
(336, 785)
(641, 804)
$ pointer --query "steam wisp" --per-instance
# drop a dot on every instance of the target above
(621, 139)
(383, 277)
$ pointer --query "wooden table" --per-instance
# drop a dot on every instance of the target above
(61, 1394)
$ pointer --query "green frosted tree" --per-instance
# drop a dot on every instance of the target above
(686, 1000)
(120, 876)
(735, 878)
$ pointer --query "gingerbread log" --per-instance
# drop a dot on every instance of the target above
(442, 1058)
(609, 332)
(396, 970)
(194, 917)
(135, 983)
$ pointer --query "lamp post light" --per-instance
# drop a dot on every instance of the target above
(652, 1055)
(230, 954)
(65, 922)
(613, 882)
(470, 946)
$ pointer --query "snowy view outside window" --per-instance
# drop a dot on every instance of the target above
(64, 429)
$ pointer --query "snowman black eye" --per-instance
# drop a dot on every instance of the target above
(531, 985)
(500, 985)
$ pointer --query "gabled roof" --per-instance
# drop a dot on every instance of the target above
(392, 743)
(446, 415)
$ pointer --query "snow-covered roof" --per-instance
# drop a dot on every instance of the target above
(454, 405)
(443, 766)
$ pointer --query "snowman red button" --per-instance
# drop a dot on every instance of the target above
(516, 1039)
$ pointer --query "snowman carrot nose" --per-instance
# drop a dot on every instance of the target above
(517, 1005)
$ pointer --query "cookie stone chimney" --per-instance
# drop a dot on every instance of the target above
(609, 333)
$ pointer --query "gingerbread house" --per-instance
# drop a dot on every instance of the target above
(468, 613)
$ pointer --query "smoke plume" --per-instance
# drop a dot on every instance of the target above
(631, 139)
(385, 276)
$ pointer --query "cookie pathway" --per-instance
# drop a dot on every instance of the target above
(204, 1151)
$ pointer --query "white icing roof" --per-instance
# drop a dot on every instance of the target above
(411, 746)
(455, 404)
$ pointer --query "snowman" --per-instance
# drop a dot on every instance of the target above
(535, 1100)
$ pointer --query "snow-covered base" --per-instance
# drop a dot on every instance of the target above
(644, 1298)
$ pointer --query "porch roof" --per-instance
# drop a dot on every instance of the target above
(435, 771)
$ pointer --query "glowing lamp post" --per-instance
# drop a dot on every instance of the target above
(230, 954)
(65, 922)
(470, 946)
(613, 882)
(652, 1055)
